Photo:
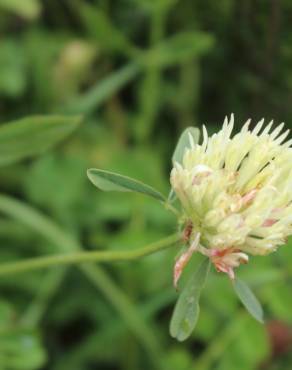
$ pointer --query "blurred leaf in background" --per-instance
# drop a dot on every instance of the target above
(13, 68)
(33, 135)
(29, 9)
(19, 348)
(140, 72)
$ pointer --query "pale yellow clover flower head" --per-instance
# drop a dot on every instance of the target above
(236, 194)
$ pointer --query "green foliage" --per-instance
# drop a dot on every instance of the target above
(184, 142)
(178, 49)
(28, 9)
(33, 135)
(141, 72)
(19, 348)
(248, 299)
(109, 181)
(101, 28)
(13, 62)
(103, 90)
(186, 312)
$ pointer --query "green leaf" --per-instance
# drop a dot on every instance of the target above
(33, 135)
(249, 300)
(184, 143)
(101, 27)
(178, 49)
(6, 314)
(29, 9)
(109, 181)
(186, 311)
(13, 72)
(155, 6)
(21, 350)
(102, 90)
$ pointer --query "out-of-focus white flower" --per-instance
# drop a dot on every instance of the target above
(236, 194)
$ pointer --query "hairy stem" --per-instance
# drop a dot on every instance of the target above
(38, 263)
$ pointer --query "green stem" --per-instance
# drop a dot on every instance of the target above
(65, 242)
(37, 263)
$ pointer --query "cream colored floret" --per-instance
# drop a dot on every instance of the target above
(237, 191)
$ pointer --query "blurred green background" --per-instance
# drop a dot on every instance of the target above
(139, 71)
